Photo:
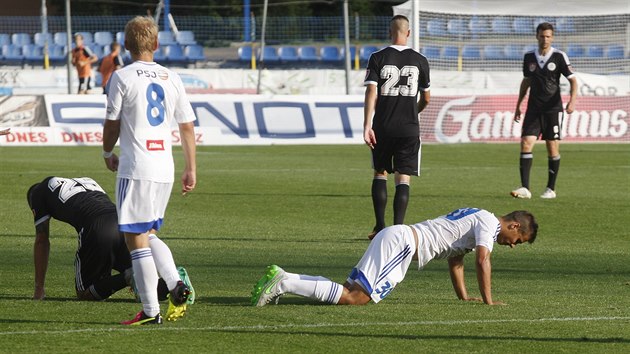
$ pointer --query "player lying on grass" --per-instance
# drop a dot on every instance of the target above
(82, 203)
(387, 258)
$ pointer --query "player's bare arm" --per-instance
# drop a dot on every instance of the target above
(574, 88)
(111, 131)
(425, 98)
(521, 96)
(41, 251)
(484, 274)
(456, 271)
(189, 177)
(368, 113)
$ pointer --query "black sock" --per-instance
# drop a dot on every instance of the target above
(107, 286)
(525, 165)
(162, 290)
(401, 199)
(554, 167)
(379, 200)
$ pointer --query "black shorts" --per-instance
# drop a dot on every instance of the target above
(400, 155)
(101, 248)
(549, 124)
(84, 83)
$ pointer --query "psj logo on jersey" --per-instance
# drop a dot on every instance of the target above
(152, 74)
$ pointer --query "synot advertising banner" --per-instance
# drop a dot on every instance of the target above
(312, 119)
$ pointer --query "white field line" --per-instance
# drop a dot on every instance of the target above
(316, 325)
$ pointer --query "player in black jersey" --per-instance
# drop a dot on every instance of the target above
(82, 203)
(395, 75)
(541, 70)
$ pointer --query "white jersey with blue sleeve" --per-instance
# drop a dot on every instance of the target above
(456, 233)
(149, 100)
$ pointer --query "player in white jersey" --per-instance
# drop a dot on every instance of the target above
(144, 102)
(385, 262)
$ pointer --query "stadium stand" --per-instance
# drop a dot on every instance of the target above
(594, 51)
(353, 53)
(20, 39)
(329, 54)
(96, 50)
(40, 39)
(308, 54)
(501, 25)
(159, 56)
(33, 54)
(288, 54)
(5, 38)
(59, 38)
(185, 38)
(268, 55)
(174, 55)
(615, 51)
(457, 27)
(103, 38)
(514, 52)
(194, 53)
(471, 52)
(166, 38)
(478, 26)
(575, 50)
(12, 54)
(245, 53)
(431, 51)
(120, 38)
(88, 37)
(523, 25)
(494, 52)
(365, 52)
(57, 54)
(436, 27)
(565, 25)
(450, 52)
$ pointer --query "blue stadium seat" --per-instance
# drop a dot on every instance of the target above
(478, 25)
(4, 39)
(595, 51)
(575, 51)
(120, 38)
(20, 39)
(450, 52)
(57, 54)
(529, 48)
(12, 54)
(96, 50)
(456, 26)
(431, 51)
(88, 38)
(615, 51)
(513, 52)
(436, 27)
(308, 53)
(269, 55)
(159, 56)
(60, 38)
(185, 38)
(353, 53)
(329, 53)
(523, 25)
(288, 54)
(245, 53)
(494, 52)
(471, 52)
(33, 53)
(103, 38)
(166, 38)
(540, 20)
(565, 25)
(366, 51)
(194, 53)
(174, 54)
(501, 25)
(40, 39)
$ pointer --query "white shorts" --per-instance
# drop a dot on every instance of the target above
(141, 204)
(385, 262)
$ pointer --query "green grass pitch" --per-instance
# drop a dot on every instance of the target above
(308, 209)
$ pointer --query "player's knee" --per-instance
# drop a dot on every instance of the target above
(353, 296)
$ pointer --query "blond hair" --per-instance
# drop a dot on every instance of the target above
(141, 35)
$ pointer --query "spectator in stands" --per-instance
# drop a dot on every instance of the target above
(542, 69)
(144, 100)
(110, 63)
(82, 59)
(394, 77)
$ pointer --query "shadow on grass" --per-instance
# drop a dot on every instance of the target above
(431, 337)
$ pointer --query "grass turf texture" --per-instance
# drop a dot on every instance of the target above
(308, 209)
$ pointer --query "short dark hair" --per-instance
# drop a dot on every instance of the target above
(528, 225)
(544, 26)
(399, 17)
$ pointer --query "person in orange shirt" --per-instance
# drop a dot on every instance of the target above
(109, 64)
(82, 59)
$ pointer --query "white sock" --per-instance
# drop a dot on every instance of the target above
(321, 290)
(164, 261)
(146, 278)
(305, 276)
